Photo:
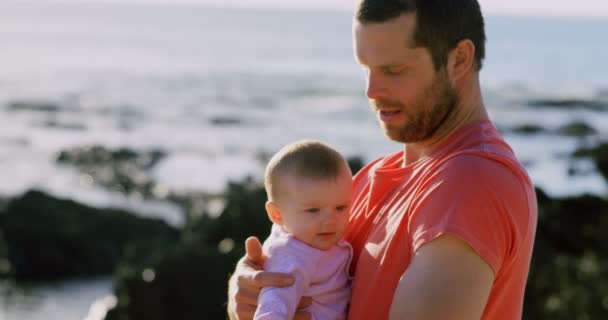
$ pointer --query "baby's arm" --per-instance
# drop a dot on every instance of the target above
(281, 303)
(277, 303)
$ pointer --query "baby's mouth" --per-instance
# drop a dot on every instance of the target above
(325, 234)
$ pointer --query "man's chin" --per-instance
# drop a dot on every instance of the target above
(400, 136)
(392, 133)
(394, 136)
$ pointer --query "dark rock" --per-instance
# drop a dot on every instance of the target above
(189, 282)
(122, 170)
(52, 124)
(225, 121)
(193, 203)
(100, 156)
(49, 238)
(3, 203)
(243, 216)
(123, 112)
(570, 104)
(599, 154)
(529, 129)
(586, 213)
(21, 142)
(38, 106)
(5, 264)
(577, 129)
(569, 265)
(355, 164)
(190, 279)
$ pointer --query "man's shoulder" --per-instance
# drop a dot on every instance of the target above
(477, 171)
(484, 166)
(380, 162)
(475, 182)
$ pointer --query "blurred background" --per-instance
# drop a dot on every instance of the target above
(133, 137)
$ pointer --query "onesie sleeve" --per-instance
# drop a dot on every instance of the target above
(281, 302)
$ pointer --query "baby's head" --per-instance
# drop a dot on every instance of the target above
(309, 188)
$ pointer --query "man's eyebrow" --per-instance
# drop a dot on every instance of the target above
(392, 65)
(388, 65)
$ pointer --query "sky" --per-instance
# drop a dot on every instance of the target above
(587, 8)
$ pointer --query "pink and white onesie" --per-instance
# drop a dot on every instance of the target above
(320, 274)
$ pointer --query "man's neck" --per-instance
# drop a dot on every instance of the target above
(470, 109)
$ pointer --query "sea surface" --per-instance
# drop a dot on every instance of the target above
(219, 88)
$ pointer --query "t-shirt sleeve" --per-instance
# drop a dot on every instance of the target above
(475, 199)
(281, 302)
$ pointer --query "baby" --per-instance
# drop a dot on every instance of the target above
(309, 188)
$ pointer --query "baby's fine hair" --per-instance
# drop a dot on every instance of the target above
(304, 158)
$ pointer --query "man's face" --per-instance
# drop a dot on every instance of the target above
(411, 99)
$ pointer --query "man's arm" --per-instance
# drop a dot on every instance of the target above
(446, 279)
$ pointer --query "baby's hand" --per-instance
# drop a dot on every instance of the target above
(248, 280)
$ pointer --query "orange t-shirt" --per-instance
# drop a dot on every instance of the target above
(473, 188)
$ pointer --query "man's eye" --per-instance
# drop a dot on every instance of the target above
(313, 210)
(392, 72)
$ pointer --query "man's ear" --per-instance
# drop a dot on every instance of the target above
(461, 59)
(274, 214)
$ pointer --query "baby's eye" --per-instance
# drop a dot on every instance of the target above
(313, 210)
(341, 208)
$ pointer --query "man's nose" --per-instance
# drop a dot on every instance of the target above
(375, 87)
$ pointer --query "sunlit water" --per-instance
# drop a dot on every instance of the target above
(163, 76)
(67, 300)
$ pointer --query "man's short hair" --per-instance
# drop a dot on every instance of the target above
(304, 158)
(440, 24)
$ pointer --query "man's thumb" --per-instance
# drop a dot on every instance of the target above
(254, 250)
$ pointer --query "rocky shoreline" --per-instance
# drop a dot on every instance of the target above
(163, 271)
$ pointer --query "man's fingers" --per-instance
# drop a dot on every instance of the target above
(259, 279)
(248, 297)
(244, 311)
(304, 302)
(302, 315)
(254, 250)
(271, 279)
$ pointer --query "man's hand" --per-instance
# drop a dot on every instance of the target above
(249, 279)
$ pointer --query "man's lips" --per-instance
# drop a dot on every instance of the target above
(389, 111)
(387, 115)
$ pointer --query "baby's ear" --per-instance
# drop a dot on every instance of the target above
(274, 214)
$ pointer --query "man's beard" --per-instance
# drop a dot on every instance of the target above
(423, 117)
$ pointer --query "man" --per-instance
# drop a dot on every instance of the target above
(445, 228)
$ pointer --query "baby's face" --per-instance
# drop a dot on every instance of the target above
(315, 211)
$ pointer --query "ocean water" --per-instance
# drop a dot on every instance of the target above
(75, 299)
(164, 76)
